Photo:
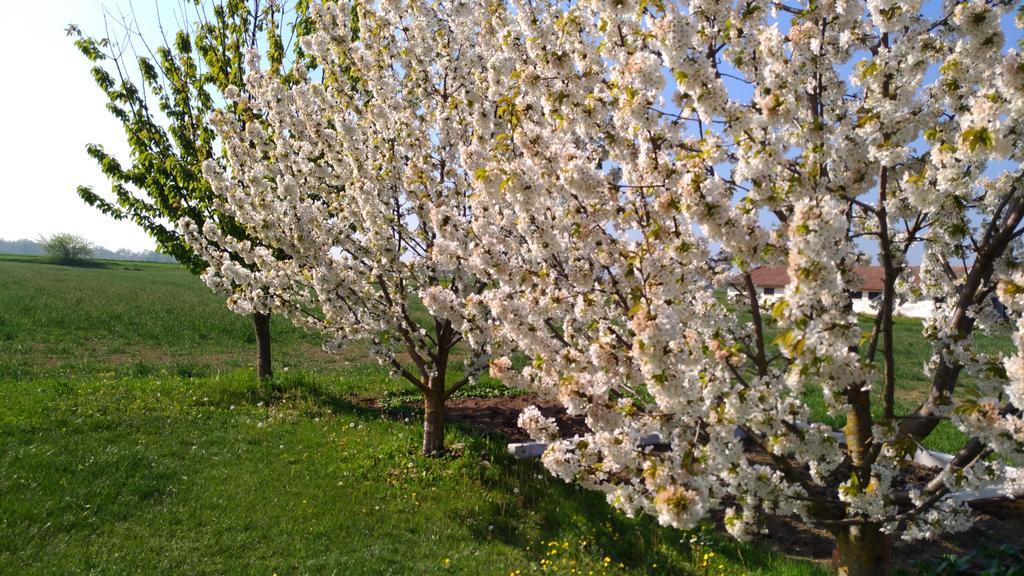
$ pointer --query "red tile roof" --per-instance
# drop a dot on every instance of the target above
(872, 277)
(769, 277)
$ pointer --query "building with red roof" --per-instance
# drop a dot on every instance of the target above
(771, 282)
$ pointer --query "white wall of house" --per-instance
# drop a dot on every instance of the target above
(867, 303)
(864, 302)
(919, 309)
(771, 294)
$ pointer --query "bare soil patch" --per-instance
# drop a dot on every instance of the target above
(500, 415)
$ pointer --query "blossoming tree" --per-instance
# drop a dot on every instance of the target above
(162, 95)
(634, 159)
(340, 185)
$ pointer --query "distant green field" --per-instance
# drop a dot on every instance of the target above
(912, 352)
(125, 316)
(134, 440)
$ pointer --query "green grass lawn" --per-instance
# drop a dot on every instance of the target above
(911, 352)
(125, 316)
(134, 440)
(912, 385)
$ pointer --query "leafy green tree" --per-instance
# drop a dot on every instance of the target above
(163, 98)
(67, 248)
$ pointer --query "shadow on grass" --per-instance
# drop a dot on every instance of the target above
(638, 543)
(77, 263)
(307, 396)
(566, 515)
(562, 509)
(532, 507)
(74, 263)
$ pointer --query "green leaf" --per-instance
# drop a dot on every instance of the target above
(978, 137)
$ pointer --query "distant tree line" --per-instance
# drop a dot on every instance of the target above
(26, 247)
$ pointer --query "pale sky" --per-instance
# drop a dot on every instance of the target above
(49, 110)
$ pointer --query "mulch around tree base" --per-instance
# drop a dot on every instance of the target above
(502, 414)
(997, 522)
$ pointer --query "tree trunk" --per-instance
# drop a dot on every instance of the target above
(863, 551)
(261, 322)
(433, 422)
